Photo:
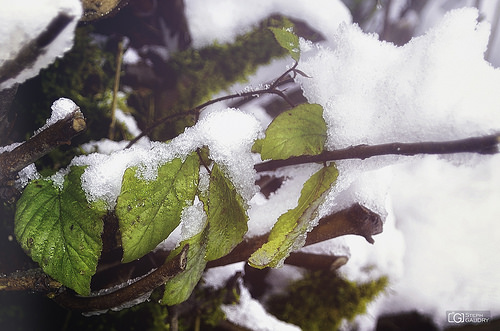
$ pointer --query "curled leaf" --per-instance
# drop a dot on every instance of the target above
(289, 232)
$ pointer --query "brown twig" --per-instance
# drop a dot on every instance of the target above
(116, 84)
(128, 293)
(482, 145)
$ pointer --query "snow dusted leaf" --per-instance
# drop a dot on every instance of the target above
(179, 288)
(225, 228)
(60, 230)
(288, 40)
(290, 230)
(148, 211)
(227, 217)
(298, 131)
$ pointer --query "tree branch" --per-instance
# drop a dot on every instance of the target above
(482, 145)
(33, 280)
(128, 293)
(57, 134)
(356, 220)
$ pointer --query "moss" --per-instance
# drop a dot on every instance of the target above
(322, 299)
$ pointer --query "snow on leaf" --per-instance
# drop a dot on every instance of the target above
(60, 230)
(299, 131)
(290, 230)
(179, 288)
(288, 40)
(227, 217)
(148, 211)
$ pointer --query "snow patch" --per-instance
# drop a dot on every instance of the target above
(249, 313)
(209, 22)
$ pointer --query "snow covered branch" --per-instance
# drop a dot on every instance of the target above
(482, 145)
(58, 133)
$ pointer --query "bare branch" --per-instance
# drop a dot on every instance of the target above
(482, 145)
(119, 58)
(29, 53)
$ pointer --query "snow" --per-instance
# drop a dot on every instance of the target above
(249, 313)
(23, 21)
(61, 108)
(208, 20)
(193, 220)
(436, 79)
(229, 134)
(264, 212)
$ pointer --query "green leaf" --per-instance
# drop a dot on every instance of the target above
(60, 230)
(226, 216)
(179, 288)
(257, 146)
(290, 230)
(148, 211)
(288, 40)
(299, 131)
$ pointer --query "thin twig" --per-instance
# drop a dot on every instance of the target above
(278, 80)
(272, 89)
(119, 56)
(482, 145)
